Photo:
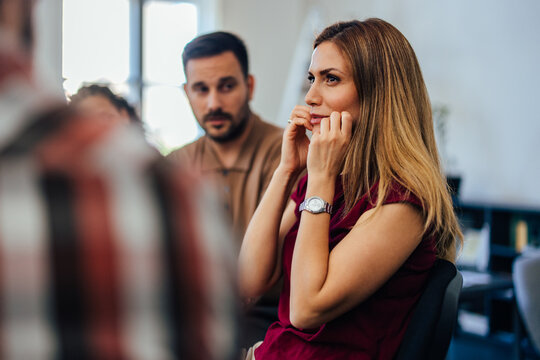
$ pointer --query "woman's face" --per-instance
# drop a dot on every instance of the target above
(100, 106)
(332, 84)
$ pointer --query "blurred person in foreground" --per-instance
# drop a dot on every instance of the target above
(102, 250)
(357, 239)
(239, 151)
(99, 101)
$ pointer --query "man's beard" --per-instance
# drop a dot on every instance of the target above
(235, 130)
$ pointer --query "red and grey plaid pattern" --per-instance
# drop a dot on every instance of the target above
(106, 250)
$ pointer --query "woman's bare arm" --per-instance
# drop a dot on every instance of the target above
(325, 285)
(259, 264)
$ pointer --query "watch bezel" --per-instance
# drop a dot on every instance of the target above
(315, 205)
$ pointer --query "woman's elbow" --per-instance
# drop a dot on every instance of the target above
(251, 287)
(302, 318)
(249, 292)
(297, 320)
(247, 288)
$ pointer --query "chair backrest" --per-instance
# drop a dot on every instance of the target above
(432, 324)
(526, 272)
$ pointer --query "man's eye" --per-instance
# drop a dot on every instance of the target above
(311, 79)
(201, 90)
(227, 87)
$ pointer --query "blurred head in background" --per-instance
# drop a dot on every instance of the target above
(16, 22)
(100, 101)
(16, 37)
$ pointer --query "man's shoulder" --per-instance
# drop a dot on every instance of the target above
(269, 133)
(188, 151)
(269, 127)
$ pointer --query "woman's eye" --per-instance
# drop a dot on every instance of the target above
(332, 79)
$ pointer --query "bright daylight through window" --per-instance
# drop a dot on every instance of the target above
(98, 47)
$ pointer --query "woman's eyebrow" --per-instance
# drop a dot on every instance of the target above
(326, 71)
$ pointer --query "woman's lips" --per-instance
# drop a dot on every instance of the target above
(316, 119)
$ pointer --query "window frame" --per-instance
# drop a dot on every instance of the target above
(205, 23)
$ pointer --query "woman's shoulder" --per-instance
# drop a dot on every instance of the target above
(395, 193)
(398, 193)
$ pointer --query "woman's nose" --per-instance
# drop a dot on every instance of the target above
(313, 97)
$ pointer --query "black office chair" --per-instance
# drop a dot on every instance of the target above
(432, 324)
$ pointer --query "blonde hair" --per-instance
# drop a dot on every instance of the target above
(393, 140)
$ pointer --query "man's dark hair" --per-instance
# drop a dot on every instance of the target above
(214, 44)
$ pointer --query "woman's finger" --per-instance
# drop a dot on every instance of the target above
(335, 122)
(301, 112)
(346, 124)
(324, 126)
(300, 122)
(302, 108)
(300, 116)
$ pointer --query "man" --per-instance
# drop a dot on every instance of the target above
(238, 151)
(103, 253)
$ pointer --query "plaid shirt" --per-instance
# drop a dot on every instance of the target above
(106, 250)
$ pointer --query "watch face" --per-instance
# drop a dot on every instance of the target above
(315, 205)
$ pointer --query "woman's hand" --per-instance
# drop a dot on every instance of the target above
(295, 146)
(329, 145)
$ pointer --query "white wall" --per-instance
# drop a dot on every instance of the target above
(48, 51)
(270, 30)
(480, 58)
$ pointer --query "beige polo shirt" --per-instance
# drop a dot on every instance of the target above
(242, 185)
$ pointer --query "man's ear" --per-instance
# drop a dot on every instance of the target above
(251, 85)
(185, 88)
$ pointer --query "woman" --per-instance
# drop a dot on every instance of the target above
(356, 258)
(100, 101)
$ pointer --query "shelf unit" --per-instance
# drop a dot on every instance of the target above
(508, 229)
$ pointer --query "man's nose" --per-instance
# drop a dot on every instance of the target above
(214, 101)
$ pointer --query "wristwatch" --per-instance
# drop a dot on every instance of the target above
(315, 205)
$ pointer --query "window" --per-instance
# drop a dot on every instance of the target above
(168, 27)
(95, 44)
(135, 47)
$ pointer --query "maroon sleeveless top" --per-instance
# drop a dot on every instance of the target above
(373, 329)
